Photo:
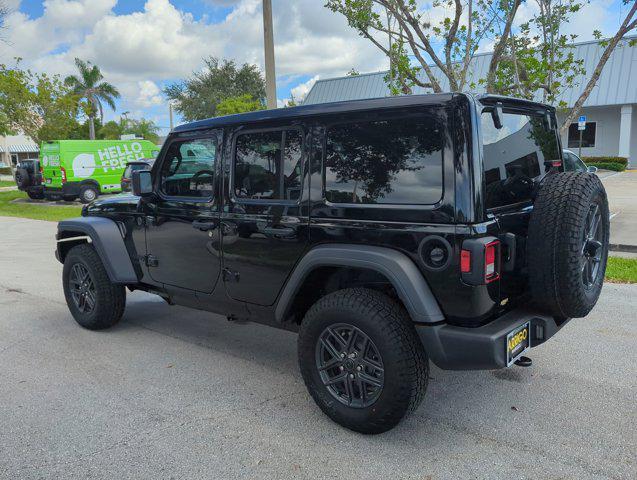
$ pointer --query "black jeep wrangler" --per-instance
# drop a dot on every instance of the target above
(387, 232)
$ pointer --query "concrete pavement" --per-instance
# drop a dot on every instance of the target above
(176, 393)
(622, 198)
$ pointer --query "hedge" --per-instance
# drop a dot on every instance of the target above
(5, 171)
(594, 160)
(617, 167)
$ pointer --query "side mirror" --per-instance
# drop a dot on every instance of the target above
(497, 115)
(142, 181)
(591, 169)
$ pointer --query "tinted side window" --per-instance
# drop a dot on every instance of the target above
(392, 161)
(267, 165)
(188, 170)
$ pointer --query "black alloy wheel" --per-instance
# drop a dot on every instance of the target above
(592, 248)
(350, 365)
(82, 288)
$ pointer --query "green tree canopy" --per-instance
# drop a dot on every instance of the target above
(199, 96)
(38, 105)
(241, 104)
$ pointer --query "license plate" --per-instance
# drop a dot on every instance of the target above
(518, 342)
(48, 180)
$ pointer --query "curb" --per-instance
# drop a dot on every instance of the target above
(618, 247)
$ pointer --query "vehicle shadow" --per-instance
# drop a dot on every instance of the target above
(276, 350)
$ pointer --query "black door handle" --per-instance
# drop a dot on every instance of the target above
(279, 231)
(203, 225)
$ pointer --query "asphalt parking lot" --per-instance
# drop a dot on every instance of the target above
(176, 393)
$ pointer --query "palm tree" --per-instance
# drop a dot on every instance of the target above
(89, 85)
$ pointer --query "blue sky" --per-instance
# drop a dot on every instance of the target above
(143, 45)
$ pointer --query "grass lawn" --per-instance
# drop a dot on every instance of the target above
(621, 270)
(7, 183)
(35, 211)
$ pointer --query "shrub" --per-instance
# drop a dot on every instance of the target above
(617, 167)
(593, 160)
(5, 171)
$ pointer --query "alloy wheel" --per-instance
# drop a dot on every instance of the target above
(350, 365)
(592, 248)
(82, 288)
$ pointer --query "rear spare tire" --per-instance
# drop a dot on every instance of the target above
(568, 243)
(22, 178)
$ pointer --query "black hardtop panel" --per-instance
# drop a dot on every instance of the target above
(304, 111)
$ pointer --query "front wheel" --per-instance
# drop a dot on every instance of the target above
(88, 193)
(94, 301)
(361, 360)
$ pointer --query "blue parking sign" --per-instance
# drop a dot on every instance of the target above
(582, 119)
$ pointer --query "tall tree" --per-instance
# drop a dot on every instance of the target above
(38, 105)
(629, 24)
(198, 97)
(540, 56)
(410, 33)
(89, 85)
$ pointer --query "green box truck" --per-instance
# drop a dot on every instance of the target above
(85, 168)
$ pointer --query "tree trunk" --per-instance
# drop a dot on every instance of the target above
(626, 27)
(499, 48)
(91, 127)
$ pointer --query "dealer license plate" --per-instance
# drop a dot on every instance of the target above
(518, 342)
(48, 180)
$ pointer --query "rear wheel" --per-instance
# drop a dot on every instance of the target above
(88, 193)
(361, 360)
(568, 243)
(93, 300)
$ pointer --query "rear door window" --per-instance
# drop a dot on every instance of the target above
(515, 155)
(389, 161)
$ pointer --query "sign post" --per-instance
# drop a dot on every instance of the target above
(581, 126)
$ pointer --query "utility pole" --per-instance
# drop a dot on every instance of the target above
(268, 41)
(170, 113)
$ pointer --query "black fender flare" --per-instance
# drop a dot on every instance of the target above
(107, 239)
(411, 286)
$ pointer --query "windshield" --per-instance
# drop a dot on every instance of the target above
(515, 155)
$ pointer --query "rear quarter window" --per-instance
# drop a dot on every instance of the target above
(388, 161)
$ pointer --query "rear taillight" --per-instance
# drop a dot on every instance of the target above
(63, 174)
(491, 260)
(480, 260)
(41, 174)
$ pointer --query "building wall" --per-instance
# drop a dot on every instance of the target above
(607, 136)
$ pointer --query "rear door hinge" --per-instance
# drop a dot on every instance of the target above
(150, 260)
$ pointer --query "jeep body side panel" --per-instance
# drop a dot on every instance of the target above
(395, 266)
(107, 239)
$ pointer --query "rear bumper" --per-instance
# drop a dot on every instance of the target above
(483, 348)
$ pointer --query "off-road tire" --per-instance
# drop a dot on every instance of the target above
(35, 196)
(88, 193)
(22, 178)
(110, 298)
(556, 241)
(390, 328)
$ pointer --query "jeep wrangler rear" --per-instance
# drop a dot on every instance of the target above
(387, 232)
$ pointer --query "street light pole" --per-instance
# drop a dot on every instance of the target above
(268, 41)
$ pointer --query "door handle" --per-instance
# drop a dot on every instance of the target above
(279, 231)
(203, 225)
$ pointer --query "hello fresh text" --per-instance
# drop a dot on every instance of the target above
(117, 156)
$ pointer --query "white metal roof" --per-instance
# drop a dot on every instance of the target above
(616, 86)
(24, 148)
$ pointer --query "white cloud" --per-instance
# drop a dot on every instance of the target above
(149, 94)
(301, 90)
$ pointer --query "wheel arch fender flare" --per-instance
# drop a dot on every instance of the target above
(107, 239)
(398, 268)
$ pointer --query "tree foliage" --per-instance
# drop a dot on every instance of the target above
(38, 105)
(199, 96)
(113, 130)
(241, 104)
(402, 30)
(90, 86)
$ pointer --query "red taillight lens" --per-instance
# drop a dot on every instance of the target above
(41, 174)
(491, 261)
(556, 163)
(465, 261)
(63, 174)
